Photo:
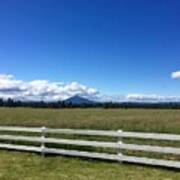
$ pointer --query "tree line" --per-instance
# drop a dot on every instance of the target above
(63, 104)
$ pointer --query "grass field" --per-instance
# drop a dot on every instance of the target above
(15, 165)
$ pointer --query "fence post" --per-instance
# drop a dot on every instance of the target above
(43, 136)
(119, 143)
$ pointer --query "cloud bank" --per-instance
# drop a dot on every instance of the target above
(44, 90)
(38, 90)
(134, 97)
(175, 75)
(151, 98)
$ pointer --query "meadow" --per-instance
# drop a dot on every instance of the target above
(16, 165)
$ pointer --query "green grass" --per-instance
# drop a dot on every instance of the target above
(29, 166)
(133, 119)
(14, 165)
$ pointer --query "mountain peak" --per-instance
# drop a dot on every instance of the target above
(78, 100)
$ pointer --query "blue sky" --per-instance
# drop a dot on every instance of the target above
(115, 47)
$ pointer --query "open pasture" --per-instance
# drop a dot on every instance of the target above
(15, 165)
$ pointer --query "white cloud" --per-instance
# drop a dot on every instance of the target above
(175, 75)
(151, 98)
(135, 97)
(41, 89)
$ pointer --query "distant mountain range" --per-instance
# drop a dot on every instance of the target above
(81, 102)
(77, 100)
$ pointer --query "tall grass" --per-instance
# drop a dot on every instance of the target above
(149, 120)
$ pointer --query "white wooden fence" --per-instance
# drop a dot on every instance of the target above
(119, 145)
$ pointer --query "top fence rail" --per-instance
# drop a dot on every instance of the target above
(118, 133)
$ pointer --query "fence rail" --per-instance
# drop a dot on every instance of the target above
(119, 133)
(42, 139)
